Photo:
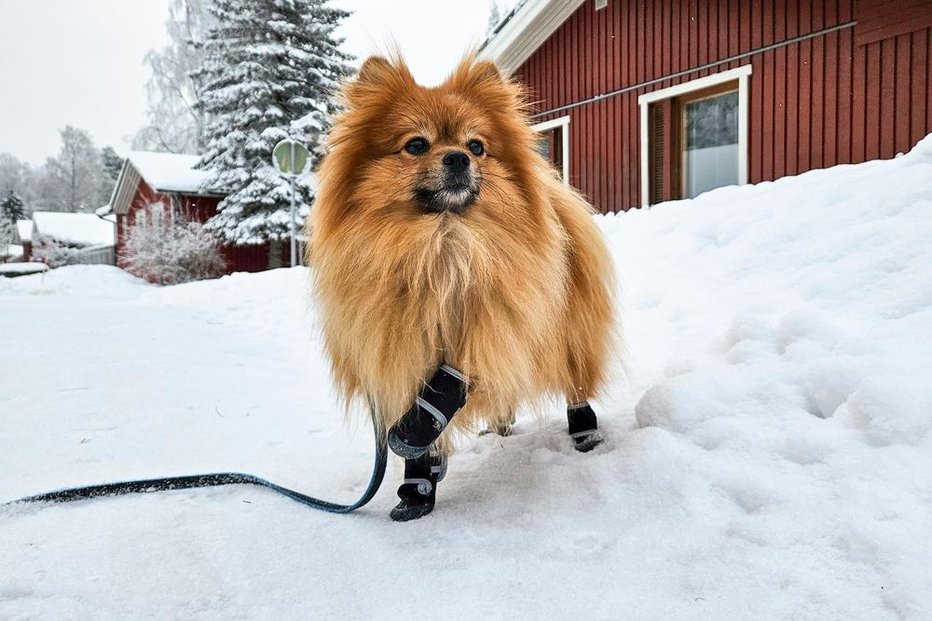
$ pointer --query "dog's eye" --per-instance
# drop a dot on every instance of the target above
(476, 147)
(416, 146)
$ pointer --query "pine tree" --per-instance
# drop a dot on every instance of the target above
(11, 210)
(270, 69)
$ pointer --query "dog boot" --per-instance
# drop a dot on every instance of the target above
(436, 404)
(583, 426)
(419, 490)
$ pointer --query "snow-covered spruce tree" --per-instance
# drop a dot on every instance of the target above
(11, 210)
(269, 72)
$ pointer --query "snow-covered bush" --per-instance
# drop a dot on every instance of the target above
(52, 252)
(174, 253)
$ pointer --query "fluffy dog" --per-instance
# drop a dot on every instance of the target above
(442, 240)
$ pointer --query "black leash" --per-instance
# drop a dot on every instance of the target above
(145, 486)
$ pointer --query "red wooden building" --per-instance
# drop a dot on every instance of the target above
(649, 100)
(156, 188)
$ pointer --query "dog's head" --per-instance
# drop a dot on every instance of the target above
(460, 150)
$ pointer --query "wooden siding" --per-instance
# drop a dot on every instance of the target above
(886, 19)
(816, 97)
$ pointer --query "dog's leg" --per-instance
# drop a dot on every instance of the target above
(418, 492)
(500, 427)
(583, 426)
(438, 401)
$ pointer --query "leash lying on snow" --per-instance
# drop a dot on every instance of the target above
(215, 479)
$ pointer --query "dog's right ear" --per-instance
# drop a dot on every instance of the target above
(377, 77)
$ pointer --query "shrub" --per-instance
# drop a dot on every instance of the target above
(173, 253)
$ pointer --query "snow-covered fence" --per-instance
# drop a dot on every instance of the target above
(94, 255)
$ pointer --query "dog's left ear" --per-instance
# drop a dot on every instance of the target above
(472, 74)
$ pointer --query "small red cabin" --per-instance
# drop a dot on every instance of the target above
(155, 187)
(645, 101)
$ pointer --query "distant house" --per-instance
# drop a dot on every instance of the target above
(641, 102)
(60, 238)
(24, 238)
(154, 188)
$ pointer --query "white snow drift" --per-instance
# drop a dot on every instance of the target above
(768, 457)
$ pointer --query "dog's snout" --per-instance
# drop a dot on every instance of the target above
(456, 161)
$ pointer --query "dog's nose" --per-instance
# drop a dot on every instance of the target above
(456, 161)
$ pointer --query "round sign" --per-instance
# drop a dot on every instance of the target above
(290, 157)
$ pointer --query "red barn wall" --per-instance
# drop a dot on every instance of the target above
(818, 96)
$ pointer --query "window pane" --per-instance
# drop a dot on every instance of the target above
(710, 156)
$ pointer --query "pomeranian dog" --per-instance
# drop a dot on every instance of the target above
(457, 277)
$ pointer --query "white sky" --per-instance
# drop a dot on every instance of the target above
(80, 62)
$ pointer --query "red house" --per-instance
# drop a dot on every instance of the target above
(157, 187)
(645, 101)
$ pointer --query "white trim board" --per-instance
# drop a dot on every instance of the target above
(531, 25)
(741, 74)
(564, 123)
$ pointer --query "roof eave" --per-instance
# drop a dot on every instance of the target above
(526, 31)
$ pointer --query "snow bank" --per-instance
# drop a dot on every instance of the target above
(768, 457)
(88, 281)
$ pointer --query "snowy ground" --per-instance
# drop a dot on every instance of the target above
(768, 457)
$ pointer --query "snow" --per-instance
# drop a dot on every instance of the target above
(169, 172)
(14, 250)
(769, 455)
(84, 229)
(16, 269)
(24, 230)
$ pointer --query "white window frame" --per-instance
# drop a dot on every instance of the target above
(564, 124)
(741, 74)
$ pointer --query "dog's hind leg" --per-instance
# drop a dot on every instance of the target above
(500, 426)
(418, 492)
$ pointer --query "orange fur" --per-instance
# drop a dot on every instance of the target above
(516, 292)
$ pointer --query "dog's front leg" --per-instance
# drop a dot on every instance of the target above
(583, 426)
(440, 398)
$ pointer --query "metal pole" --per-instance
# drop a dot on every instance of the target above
(294, 251)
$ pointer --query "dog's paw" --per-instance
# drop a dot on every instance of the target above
(408, 510)
(587, 440)
(499, 430)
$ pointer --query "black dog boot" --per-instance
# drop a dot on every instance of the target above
(436, 404)
(583, 426)
(419, 490)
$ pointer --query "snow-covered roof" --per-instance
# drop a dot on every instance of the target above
(169, 172)
(524, 29)
(76, 228)
(24, 230)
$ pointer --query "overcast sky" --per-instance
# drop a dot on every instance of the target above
(80, 62)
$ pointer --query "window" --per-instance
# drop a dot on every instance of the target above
(156, 213)
(709, 143)
(554, 144)
(694, 136)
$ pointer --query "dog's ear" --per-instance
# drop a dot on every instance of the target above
(472, 74)
(376, 77)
